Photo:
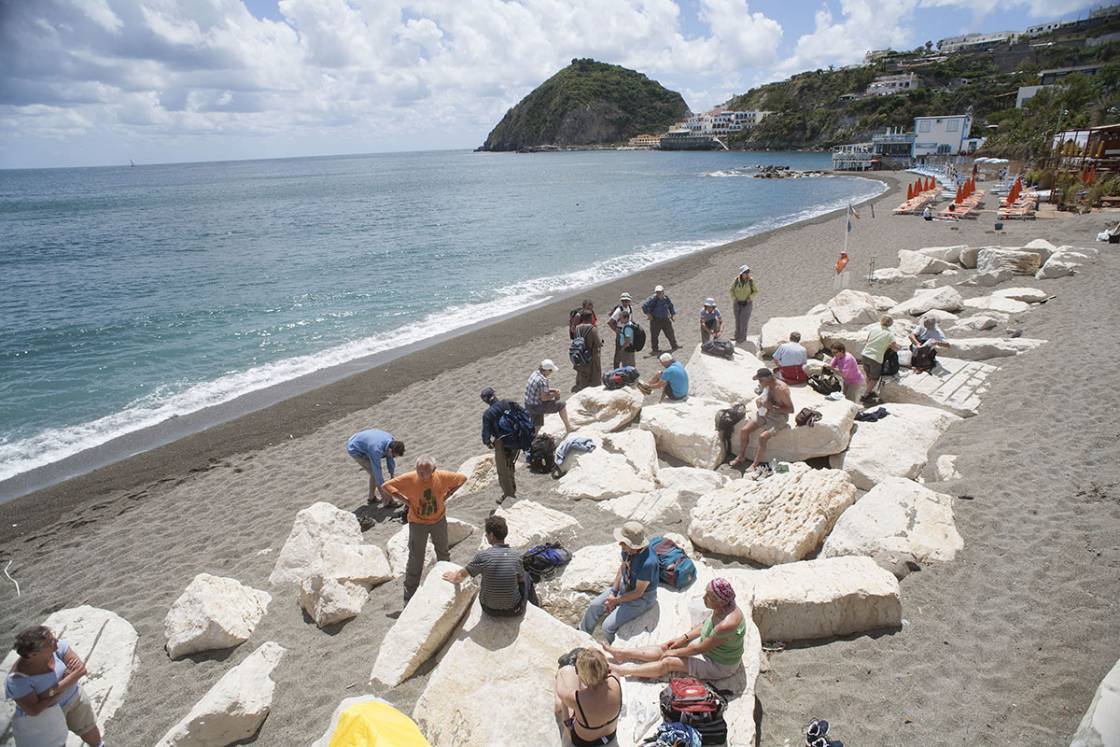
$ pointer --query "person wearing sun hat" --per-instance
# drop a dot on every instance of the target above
(541, 398)
(743, 292)
(773, 406)
(634, 589)
(711, 323)
(615, 322)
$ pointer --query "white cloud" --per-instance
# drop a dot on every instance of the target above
(863, 25)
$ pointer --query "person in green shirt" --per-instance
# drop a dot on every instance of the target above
(879, 341)
(713, 650)
(743, 291)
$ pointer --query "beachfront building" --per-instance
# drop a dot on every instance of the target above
(855, 157)
(975, 41)
(874, 55)
(941, 136)
(886, 85)
(894, 146)
(645, 141)
(722, 121)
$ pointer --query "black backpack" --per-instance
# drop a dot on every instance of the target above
(825, 383)
(726, 420)
(698, 705)
(578, 352)
(719, 348)
(542, 561)
(890, 364)
(542, 454)
(620, 377)
(923, 358)
(515, 427)
(639, 338)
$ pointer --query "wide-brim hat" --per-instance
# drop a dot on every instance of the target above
(625, 297)
(632, 533)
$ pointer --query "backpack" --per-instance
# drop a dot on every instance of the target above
(516, 424)
(825, 383)
(542, 454)
(923, 358)
(719, 348)
(620, 377)
(578, 352)
(697, 704)
(726, 420)
(674, 734)
(541, 561)
(639, 339)
(808, 417)
(676, 569)
(890, 364)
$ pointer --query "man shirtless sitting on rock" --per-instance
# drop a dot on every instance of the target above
(774, 408)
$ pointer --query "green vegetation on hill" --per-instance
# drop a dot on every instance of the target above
(588, 103)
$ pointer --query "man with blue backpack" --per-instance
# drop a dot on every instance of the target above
(507, 429)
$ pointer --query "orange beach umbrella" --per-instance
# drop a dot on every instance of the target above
(909, 192)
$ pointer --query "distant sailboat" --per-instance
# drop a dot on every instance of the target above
(131, 162)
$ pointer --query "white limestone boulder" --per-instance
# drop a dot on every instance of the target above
(598, 410)
(489, 663)
(640, 449)
(917, 263)
(889, 275)
(985, 348)
(610, 472)
(775, 331)
(945, 468)
(235, 707)
(945, 298)
(780, 519)
(428, 620)
(397, 546)
(1026, 295)
(828, 436)
(676, 485)
(978, 323)
(481, 474)
(686, 431)
(896, 446)
(722, 379)
(329, 601)
(996, 303)
(951, 254)
(530, 523)
(107, 643)
(1019, 262)
(1058, 266)
(567, 594)
(941, 317)
(968, 257)
(1100, 726)
(327, 541)
(897, 521)
(988, 279)
(853, 307)
(953, 385)
(1043, 248)
(882, 303)
(213, 613)
(690, 481)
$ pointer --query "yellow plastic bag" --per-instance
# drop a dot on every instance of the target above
(376, 724)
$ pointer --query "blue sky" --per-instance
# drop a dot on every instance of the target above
(100, 82)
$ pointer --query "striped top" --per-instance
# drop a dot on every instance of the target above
(501, 570)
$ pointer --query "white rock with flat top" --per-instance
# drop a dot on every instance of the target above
(213, 613)
(882, 303)
(985, 348)
(1026, 295)
(1043, 248)
(428, 620)
(1100, 726)
(639, 448)
(897, 521)
(1058, 266)
(979, 323)
(397, 546)
(988, 279)
(945, 298)
(480, 472)
(996, 303)
(951, 254)
(687, 430)
(853, 307)
(567, 594)
(676, 485)
(530, 523)
(888, 275)
(954, 385)
(780, 519)
(722, 379)
(776, 330)
(917, 263)
(691, 481)
(598, 410)
(602, 474)
(235, 707)
(797, 443)
(493, 682)
(327, 541)
(1019, 262)
(329, 601)
(896, 446)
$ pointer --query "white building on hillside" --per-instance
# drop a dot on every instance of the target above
(885, 85)
(722, 121)
(941, 136)
(965, 41)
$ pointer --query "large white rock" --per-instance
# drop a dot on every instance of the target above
(640, 449)
(397, 546)
(602, 474)
(1041, 247)
(687, 430)
(1058, 266)
(722, 379)
(106, 642)
(497, 663)
(821, 598)
(530, 523)
(944, 253)
(945, 468)
(979, 323)
(984, 348)
(235, 707)
(897, 521)
(598, 410)
(953, 385)
(896, 446)
(327, 541)
(829, 436)
(941, 317)
(1027, 295)
(676, 485)
(328, 601)
(776, 330)
(427, 621)
(691, 481)
(968, 257)
(1100, 727)
(988, 279)
(882, 303)
(777, 520)
(917, 263)
(480, 472)
(996, 303)
(888, 275)
(945, 298)
(1019, 262)
(853, 307)
(592, 569)
(213, 613)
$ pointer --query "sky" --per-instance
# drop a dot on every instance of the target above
(103, 82)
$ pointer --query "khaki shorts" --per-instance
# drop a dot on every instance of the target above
(873, 367)
(80, 717)
(703, 668)
(772, 423)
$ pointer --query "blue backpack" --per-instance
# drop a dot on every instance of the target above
(515, 427)
(676, 569)
(542, 561)
(674, 734)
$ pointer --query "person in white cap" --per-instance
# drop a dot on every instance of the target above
(659, 309)
(672, 379)
(711, 323)
(616, 324)
(634, 589)
(540, 398)
(743, 292)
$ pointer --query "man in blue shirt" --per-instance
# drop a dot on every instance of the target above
(634, 589)
(368, 448)
(660, 311)
(504, 444)
(672, 379)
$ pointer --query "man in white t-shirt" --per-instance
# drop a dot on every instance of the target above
(791, 358)
(614, 322)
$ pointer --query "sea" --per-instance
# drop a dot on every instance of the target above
(133, 295)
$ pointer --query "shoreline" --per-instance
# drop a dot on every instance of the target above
(298, 406)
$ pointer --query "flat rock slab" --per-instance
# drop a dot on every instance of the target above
(722, 379)
(920, 263)
(829, 436)
(1100, 727)
(986, 348)
(106, 642)
(428, 620)
(927, 299)
(780, 519)
(601, 475)
(1019, 262)
(897, 521)
(497, 663)
(530, 524)
(213, 613)
(676, 485)
(566, 595)
(687, 430)
(953, 385)
(896, 446)
(598, 410)
(888, 275)
(397, 546)
(775, 331)
(997, 303)
(1026, 295)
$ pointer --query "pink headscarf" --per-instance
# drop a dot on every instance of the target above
(723, 591)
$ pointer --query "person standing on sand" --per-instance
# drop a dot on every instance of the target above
(425, 491)
(616, 324)
(634, 589)
(505, 586)
(589, 374)
(659, 309)
(879, 341)
(368, 448)
(505, 446)
(624, 342)
(774, 406)
(743, 292)
(711, 323)
(541, 399)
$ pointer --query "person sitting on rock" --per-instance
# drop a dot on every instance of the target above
(791, 358)
(774, 406)
(505, 586)
(925, 338)
(634, 589)
(672, 380)
(588, 700)
(713, 650)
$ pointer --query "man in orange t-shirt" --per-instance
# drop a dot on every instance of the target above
(425, 490)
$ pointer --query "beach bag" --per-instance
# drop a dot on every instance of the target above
(923, 358)
(542, 561)
(674, 734)
(639, 339)
(620, 377)
(825, 383)
(697, 704)
(375, 723)
(578, 352)
(515, 427)
(808, 417)
(675, 568)
(719, 348)
(890, 364)
(542, 454)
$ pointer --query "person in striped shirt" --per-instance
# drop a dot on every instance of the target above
(505, 585)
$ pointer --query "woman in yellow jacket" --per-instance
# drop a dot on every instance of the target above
(743, 291)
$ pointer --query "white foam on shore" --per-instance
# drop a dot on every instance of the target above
(54, 444)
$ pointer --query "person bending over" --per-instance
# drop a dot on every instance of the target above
(672, 379)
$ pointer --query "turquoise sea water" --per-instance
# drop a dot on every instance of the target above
(131, 295)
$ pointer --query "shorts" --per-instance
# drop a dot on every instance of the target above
(547, 406)
(874, 368)
(773, 423)
(80, 717)
(703, 668)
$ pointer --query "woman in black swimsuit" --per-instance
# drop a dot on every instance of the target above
(589, 700)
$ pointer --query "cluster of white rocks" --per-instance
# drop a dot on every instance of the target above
(993, 264)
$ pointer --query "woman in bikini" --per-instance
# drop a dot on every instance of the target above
(588, 700)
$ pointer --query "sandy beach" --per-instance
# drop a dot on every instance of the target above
(1004, 645)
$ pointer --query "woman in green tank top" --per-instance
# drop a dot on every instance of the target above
(713, 650)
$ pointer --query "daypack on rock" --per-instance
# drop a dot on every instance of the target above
(697, 704)
(578, 352)
(541, 561)
(515, 427)
(676, 569)
(620, 377)
(719, 348)
(923, 358)
(639, 339)
(726, 420)
(808, 417)
(825, 383)
(890, 363)
(542, 454)
(674, 734)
